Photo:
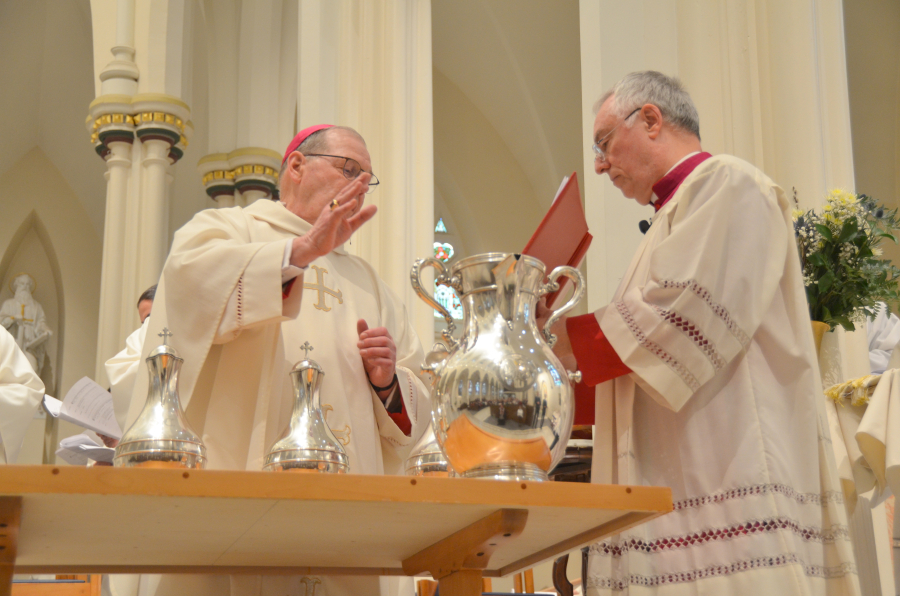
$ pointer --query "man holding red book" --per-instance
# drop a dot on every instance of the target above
(704, 372)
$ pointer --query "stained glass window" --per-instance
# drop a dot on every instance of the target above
(440, 227)
(446, 297)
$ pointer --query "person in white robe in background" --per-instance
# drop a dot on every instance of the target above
(230, 294)
(21, 392)
(706, 374)
(883, 332)
(121, 369)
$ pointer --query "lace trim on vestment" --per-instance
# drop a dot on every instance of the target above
(689, 379)
(717, 308)
(239, 310)
(619, 547)
(822, 571)
(694, 334)
(760, 490)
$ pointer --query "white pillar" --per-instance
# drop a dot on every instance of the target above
(118, 164)
(112, 133)
(154, 221)
(367, 64)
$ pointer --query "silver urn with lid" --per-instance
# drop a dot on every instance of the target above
(307, 444)
(161, 436)
(427, 458)
(503, 405)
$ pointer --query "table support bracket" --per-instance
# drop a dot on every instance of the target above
(458, 560)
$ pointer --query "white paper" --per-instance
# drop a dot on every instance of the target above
(89, 405)
(72, 457)
(559, 190)
(77, 449)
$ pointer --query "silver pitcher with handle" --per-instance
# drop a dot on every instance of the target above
(503, 404)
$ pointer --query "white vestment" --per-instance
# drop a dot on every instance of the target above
(724, 404)
(122, 369)
(21, 392)
(220, 296)
(884, 334)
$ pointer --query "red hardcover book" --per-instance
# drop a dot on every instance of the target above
(562, 238)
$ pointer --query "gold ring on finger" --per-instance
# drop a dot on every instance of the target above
(334, 204)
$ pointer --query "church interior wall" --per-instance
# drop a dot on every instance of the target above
(186, 193)
(77, 248)
(873, 69)
(501, 209)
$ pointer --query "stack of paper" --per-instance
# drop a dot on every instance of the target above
(78, 449)
(90, 406)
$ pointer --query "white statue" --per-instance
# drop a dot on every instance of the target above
(23, 317)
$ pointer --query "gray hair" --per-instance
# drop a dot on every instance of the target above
(314, 143)
(666, 93)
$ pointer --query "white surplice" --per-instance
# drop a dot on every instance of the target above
(121, 370)
(220, 296)
(724, 404)
(21, 392)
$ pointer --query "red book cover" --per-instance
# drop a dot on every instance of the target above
(562, 238)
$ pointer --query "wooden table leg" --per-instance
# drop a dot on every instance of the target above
(465, 582)
(456, 561)
(10, 513)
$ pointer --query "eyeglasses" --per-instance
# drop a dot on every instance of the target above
(351, 169)
(600, 146)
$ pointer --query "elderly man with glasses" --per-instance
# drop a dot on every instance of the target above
(704, 372)
(244, 288)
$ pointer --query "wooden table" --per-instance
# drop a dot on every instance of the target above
(60, 519)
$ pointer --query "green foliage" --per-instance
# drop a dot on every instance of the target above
(843, 269)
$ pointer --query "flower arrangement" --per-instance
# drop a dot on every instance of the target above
(844, 274)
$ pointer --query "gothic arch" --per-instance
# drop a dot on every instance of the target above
(31, 229)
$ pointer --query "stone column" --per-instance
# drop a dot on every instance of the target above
(112, 135)
(255, 172)
(218, 178)
(367, 64)
(160, 125)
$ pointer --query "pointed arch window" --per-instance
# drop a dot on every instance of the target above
(446, 297)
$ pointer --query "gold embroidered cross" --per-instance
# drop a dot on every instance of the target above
(342, 435)
(310, 581)
(319, 286)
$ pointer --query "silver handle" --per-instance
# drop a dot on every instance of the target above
(442, 278)
(553, 286)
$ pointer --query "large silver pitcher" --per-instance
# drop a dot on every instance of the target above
(503, 404)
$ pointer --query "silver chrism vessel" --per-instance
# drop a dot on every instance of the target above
(161, 436)
(427, 458)
(503, 404)
(307, 444)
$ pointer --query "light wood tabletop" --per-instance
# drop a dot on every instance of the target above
(61, 519)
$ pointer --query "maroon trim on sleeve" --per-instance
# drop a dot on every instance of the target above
(286, 288)
(401, 419)
(597, 359)
(584, 404)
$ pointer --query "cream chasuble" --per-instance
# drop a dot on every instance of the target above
(21, 392)
(122, 369)
(220, 295)
(724, 404)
